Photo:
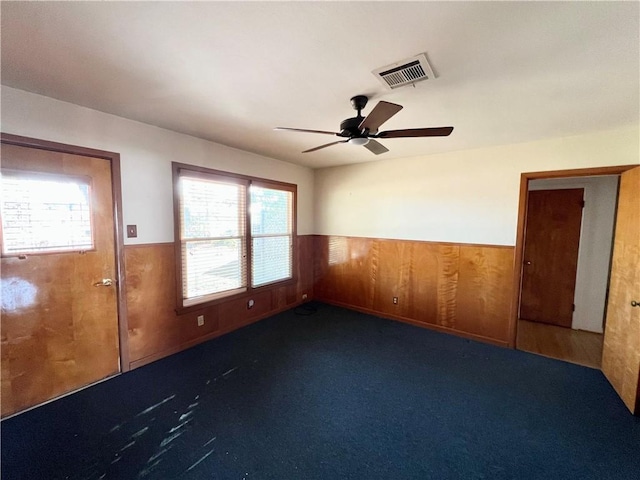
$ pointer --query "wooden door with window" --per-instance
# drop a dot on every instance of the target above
(59, 296)
(621, 350)
(552, 238)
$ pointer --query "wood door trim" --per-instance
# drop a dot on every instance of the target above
(579, 172)
(116, 187)
(525, 178)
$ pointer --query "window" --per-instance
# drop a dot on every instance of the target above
(44, 213)
(271, 235)
(234, 233)
(213, 237)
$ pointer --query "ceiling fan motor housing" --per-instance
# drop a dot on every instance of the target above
(349, 127)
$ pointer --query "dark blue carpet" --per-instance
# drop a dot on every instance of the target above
(334, 395)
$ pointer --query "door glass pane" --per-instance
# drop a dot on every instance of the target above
(45, 213)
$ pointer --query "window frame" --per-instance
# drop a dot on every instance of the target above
(285, 187)
(183, 169)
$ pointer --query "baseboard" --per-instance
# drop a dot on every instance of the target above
(416, 323)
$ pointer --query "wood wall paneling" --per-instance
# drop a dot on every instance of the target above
(389, 275)
(483, 297)
(150, 276)
(463, 289)
(305, 266)
(434, 274)
(345, 270)
(155, 330)
(421, 275)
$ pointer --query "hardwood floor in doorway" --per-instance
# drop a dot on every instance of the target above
(575, 346)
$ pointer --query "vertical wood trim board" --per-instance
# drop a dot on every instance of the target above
(457, 288)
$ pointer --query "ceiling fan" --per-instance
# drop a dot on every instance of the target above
(361, 130)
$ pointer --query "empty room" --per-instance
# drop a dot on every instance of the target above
(320, 240)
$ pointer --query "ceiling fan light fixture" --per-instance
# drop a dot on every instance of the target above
(358, 141)
(363, 131)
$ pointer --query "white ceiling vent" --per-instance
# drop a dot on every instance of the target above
(408, 71)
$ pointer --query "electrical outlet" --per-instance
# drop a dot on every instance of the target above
(200, 320)
(395, 300)
(304, 296)
(250, 304)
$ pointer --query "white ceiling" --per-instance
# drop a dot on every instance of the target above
(231, 71)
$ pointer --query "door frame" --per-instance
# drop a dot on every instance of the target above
(116, 190)
(525, 178)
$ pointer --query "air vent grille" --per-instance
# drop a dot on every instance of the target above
(406, 72)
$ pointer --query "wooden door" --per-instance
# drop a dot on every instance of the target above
(552, 238)
(59, 331)
(621, 352)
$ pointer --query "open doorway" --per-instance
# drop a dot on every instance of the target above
(621, 347)
(567, 257)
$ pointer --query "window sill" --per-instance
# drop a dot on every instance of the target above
(245, 293)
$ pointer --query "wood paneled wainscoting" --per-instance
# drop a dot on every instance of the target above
(456, 288)
(156, 331)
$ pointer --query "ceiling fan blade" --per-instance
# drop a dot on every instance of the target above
(376, 147)
(325, 146)
(417, 132)
(305, 131)
(382, 112)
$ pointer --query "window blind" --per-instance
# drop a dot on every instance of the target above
(213, 237)
(271, 235)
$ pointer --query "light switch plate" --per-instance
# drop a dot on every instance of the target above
(132, 231)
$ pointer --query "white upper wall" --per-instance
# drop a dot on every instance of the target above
(468, 196)
(146, 153)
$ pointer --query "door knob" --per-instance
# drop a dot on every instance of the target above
(635, 304)
(105, 282)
